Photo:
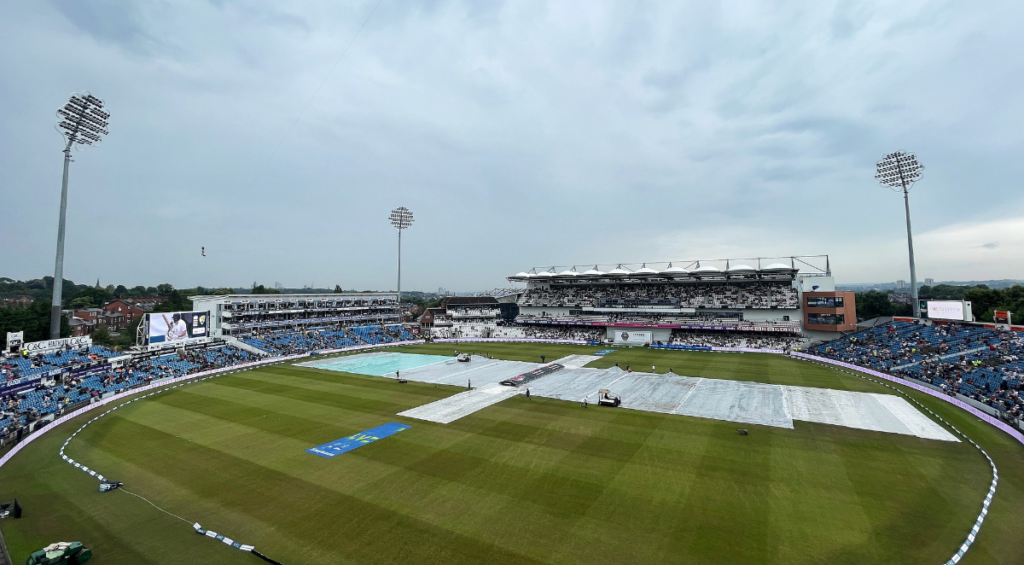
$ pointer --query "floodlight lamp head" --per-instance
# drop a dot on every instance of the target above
(899, 170)
(401, 218)
(82, 120)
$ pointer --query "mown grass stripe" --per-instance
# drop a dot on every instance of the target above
(254, 490)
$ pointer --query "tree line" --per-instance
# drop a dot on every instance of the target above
(984, 301)
(34, 319)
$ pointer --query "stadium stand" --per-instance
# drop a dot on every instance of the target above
(983, 364)
(750, 295)
(304, 341)
(709, 339)
(50, 396)
(20, 366)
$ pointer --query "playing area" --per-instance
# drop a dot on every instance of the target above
(539, 480)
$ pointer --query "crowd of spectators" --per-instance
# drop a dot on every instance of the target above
(20, 409)
(535, 332)
(719, 339)
(18, 366)
(303, 341)
(723, 319)
(700, 295)
(983, 364)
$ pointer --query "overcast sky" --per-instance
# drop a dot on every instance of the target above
(520, 134)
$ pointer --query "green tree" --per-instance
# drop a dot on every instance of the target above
(138, 291)
(164, 289)
(175, 302)
(80, 302)
(127, 337)
(89, 297)
(33, 320)
(121, 291)
(260, 289)
(101, 335)
(337, 289)
(984, 302)
(873, 303)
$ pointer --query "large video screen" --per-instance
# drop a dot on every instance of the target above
(946, 309)
(825, 301)
(177, 326)
(826, 319)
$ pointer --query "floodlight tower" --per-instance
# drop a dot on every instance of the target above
(82, 121)
(899, 171)
(401, 218)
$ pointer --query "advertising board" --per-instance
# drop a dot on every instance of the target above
(177, 326)
(631, 337)
(824, 301)
(51, 345)
(14, 341)
(946, 310)
(826, 319)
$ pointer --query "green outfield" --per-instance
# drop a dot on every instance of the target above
(524, 481)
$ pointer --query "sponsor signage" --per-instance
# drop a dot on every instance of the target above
(631, 336)
(52, 345)
(346, 444)
(946, 309)
(14, 341)
(999, 316)
(684, 347)
(533, 375)
(191, 343)
(26, 383)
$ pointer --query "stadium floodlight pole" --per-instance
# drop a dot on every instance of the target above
(401, 218)
(899, 171)
(82, 121)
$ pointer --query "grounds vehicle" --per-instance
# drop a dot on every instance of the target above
(463, 357)
(606, 398)
(63, 553)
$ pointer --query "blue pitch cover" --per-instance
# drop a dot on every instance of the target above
(346, 444)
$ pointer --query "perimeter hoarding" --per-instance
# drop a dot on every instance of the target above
(177, 326)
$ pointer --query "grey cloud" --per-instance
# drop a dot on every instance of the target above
(520, 133)
(116, 21)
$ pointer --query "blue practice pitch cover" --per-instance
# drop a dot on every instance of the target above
(339, 446)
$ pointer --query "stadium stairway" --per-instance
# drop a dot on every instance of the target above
(235, 342)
